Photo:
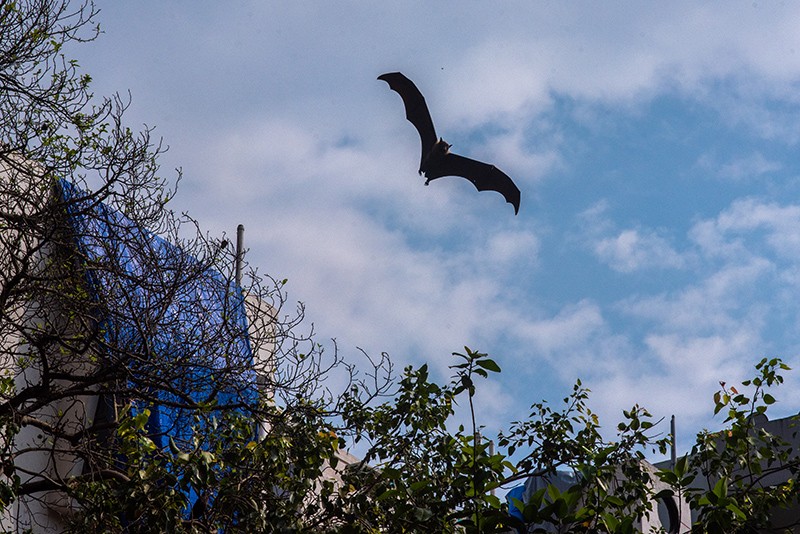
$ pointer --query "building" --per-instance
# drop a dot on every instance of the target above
(669, 515)
(122, 299)
(673, 514)
(785, 433)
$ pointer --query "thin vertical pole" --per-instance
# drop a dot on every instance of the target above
(239, 253)
(674, 445)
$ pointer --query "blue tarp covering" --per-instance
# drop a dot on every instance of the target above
(562, 480)
(517, 493)
(177, 326)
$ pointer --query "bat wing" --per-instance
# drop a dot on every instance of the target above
(484, 177)
(416, 109)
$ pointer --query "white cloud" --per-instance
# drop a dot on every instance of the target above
(366, 246)
(700, 360)
(710, 329)
(509, 250)
(571, 327)
(632, 250)
(627, 250)
(595, 219)
(713, 304)
(746, 225)
(576, 342)
(749, 167)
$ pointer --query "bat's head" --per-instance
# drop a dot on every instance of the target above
(442, 147)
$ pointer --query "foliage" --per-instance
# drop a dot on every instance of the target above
(417, 475)
(735, 479)
(613, 488)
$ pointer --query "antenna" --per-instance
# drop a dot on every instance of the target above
(674, 445)
(239, 253)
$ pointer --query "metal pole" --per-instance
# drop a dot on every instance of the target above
(674, 445)
(239, 253)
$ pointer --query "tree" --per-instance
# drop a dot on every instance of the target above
(145, 391)
(132, 358)
(741, 478)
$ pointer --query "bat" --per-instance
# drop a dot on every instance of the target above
(437, 160)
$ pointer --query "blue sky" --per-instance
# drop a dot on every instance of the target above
(657, 247)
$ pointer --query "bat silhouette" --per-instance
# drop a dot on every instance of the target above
(437, 160)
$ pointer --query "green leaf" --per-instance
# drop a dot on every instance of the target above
(420, 484)
(736, 510)
(616, 501)
(668, 477)
(489, 365)
(552, 492)
(664, 494)
(388, 494)
(610, 521)
(681, 464)
(721, 488)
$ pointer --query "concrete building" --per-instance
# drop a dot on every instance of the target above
(669, 515)
(787, 431)
(674, 515)
(204, 323)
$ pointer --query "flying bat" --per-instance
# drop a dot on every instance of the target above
(437, 160)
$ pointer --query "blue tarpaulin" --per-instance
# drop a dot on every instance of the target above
(177, 326)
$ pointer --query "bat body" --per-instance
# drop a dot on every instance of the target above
(437, 160)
